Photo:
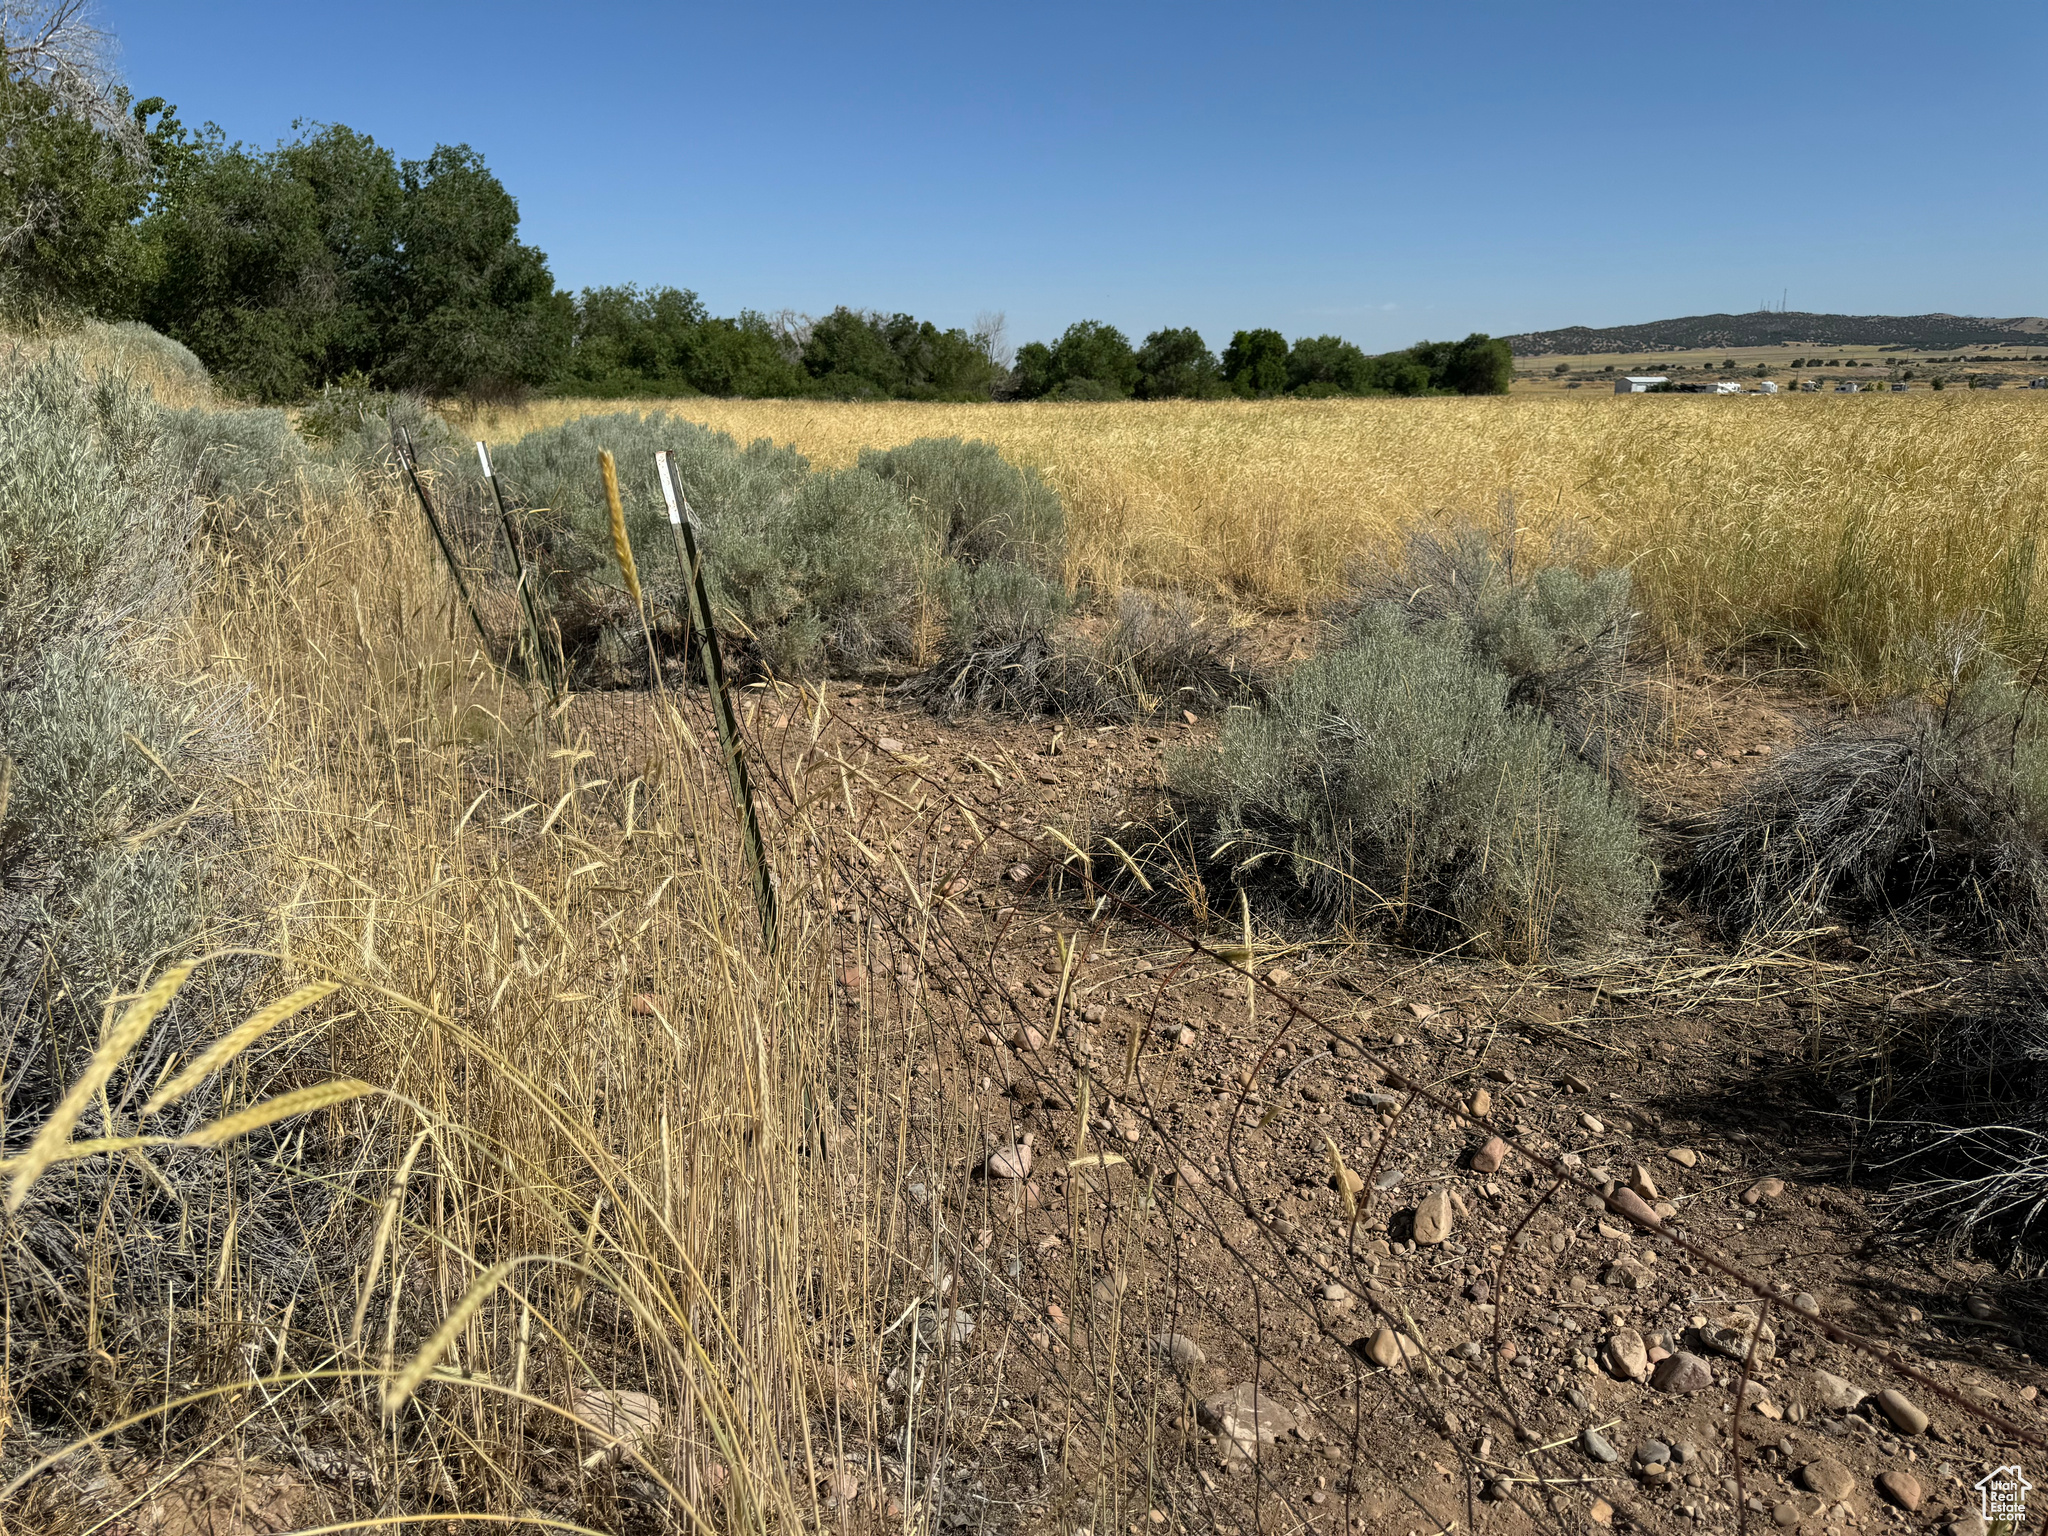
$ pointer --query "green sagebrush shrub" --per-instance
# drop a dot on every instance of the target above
(975, 504)
(995, 533)
(1561, 636)
(1395, 780)
(113, 823)
(1932, 812)
(119, 854)
(814, 569)
(848, 568)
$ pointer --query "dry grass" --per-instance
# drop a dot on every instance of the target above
(557, 978)
(618, 1146)
(1850, 533)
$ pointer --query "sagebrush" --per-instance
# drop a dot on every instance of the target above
(1393, 782)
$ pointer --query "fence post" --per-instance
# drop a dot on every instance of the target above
(683, 528)
(543, 663)
(402, 441)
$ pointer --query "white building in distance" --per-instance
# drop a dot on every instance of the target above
(1638, 383)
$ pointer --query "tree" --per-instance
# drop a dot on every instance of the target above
(1034, 377)
(1176, 364)
(70, 191)
(744, 357)
(288, 268)
(1091, 352)
(849, 356)
(631, 341)
(1327, 365)
(77, 164)
(467, 307)
(1478, 365)
(855, 354)
(1091, 361)
(240, 267)
(1255, 362)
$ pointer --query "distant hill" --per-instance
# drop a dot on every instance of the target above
(1780, 328)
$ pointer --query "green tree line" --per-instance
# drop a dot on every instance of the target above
(329, 259)
(1094, 361)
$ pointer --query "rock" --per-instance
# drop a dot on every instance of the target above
(1630, 1204)
(1653, 1453)
(1906, 1418)
(1180, 1351)
(1828, 1478)
(1804, 1302)
(1433, 1219)
(1763, 1189)
(1009, 1162)
(1836, 1393)
(1627, 1355)
(1685, 1157)
(1594, 1124)
(1602, 1512)
(1279, 975)
(1244, 1412)
(1372, 1100)
(1110, 1288)
(1482, 1104)
(615, 1423)
(1795, 1509)
(1389, 1350)
(1025, 1038)
(1644, 1186)
(1595, 1445)
(1489, 1157)
(1900, 1487)
(1352, 1182)
(229, 1497)
(1339, 1297)
(946, 1324)
(1969, 1524)
(645, 1005)
(1682, 1372)
(889, 743)
(1736, 1337)
(1628, 1274)
(1423, 1010)
(853, 977)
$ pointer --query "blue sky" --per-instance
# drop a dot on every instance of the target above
(1383, 172)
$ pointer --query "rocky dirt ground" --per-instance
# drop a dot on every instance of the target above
(1470, 1343)
(1141, 1298)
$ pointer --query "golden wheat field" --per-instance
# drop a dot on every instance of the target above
(1852, 534)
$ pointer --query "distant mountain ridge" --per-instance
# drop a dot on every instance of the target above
(1777, 328)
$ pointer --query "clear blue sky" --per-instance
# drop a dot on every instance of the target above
(1386, 172)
